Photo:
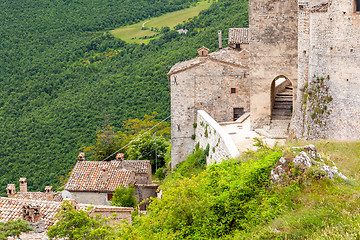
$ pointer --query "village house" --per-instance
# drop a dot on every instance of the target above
(40, 208)
(217, 83)
(48, 195)
(41, 214)
(94, 182)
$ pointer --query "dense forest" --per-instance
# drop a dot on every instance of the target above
(60, 71)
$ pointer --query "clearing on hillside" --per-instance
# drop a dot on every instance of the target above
(142, 32)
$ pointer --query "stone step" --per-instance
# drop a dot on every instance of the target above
(280, 117)
(283, 103)
(283, 98)
(282, 113)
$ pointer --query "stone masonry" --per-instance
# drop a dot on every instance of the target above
(210, 134)
(313, 44)
(273, 52)
(216, 83)
(329, 49)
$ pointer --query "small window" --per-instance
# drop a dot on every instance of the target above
(109, 196)
(237, 45)
(233, 90)
(357, 5)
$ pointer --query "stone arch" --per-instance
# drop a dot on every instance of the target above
(281, 98)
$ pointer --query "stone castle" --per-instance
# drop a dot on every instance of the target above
(296, 66)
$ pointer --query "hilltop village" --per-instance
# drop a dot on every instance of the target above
(292, 74)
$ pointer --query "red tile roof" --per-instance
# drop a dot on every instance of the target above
(11, 209)
(41, 196)
(138, 166)
(100, 176)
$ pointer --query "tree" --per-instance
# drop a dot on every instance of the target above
(79, 225)
(124, 197)
(146, 147)
(14, 228)
(141, 147)
(107, 142)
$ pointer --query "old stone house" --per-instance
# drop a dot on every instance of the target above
(299, 70)
(94, 182)
(41, 214)
(23, 194)
(217, 83)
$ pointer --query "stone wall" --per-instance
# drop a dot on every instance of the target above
(210, 133)
(329, 71)
(122, 213)
(273, 48)
(145, 192)
(206, 83)
(95, 198)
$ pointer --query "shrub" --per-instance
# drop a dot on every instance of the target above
(124, 197)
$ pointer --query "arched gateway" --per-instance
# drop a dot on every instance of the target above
(281, 98)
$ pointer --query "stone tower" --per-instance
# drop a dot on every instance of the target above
(273, 53)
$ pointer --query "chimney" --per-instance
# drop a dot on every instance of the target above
(10, 189)
(120, 158)
(49, 193)
(31, 212)
(81, 156)
(23, 185)
(105, 174)
(220, 39)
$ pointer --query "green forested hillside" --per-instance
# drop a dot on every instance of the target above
(60, 70)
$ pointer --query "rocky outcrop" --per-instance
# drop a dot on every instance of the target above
(308, 158)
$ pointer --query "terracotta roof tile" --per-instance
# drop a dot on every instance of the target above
(40, 196)
(11, 209)
(138, 166)
(103, 176)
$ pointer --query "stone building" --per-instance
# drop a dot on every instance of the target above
(273, 49)
(329, 70)
(41, 214)
(299, 69)
(94, 182)
(23, 194)
(215, 82)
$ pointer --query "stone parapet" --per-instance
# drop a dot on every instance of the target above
(209, 132)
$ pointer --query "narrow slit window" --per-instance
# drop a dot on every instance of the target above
(233, 90)
(357, 5)
(237, 45)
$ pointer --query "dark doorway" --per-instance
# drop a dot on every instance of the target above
(238, 112)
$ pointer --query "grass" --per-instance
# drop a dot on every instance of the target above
(322, 209)
(134, 33)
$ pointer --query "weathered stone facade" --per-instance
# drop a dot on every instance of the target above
(313, 44)
(329, 67)
(216, 83)
(273, 52)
